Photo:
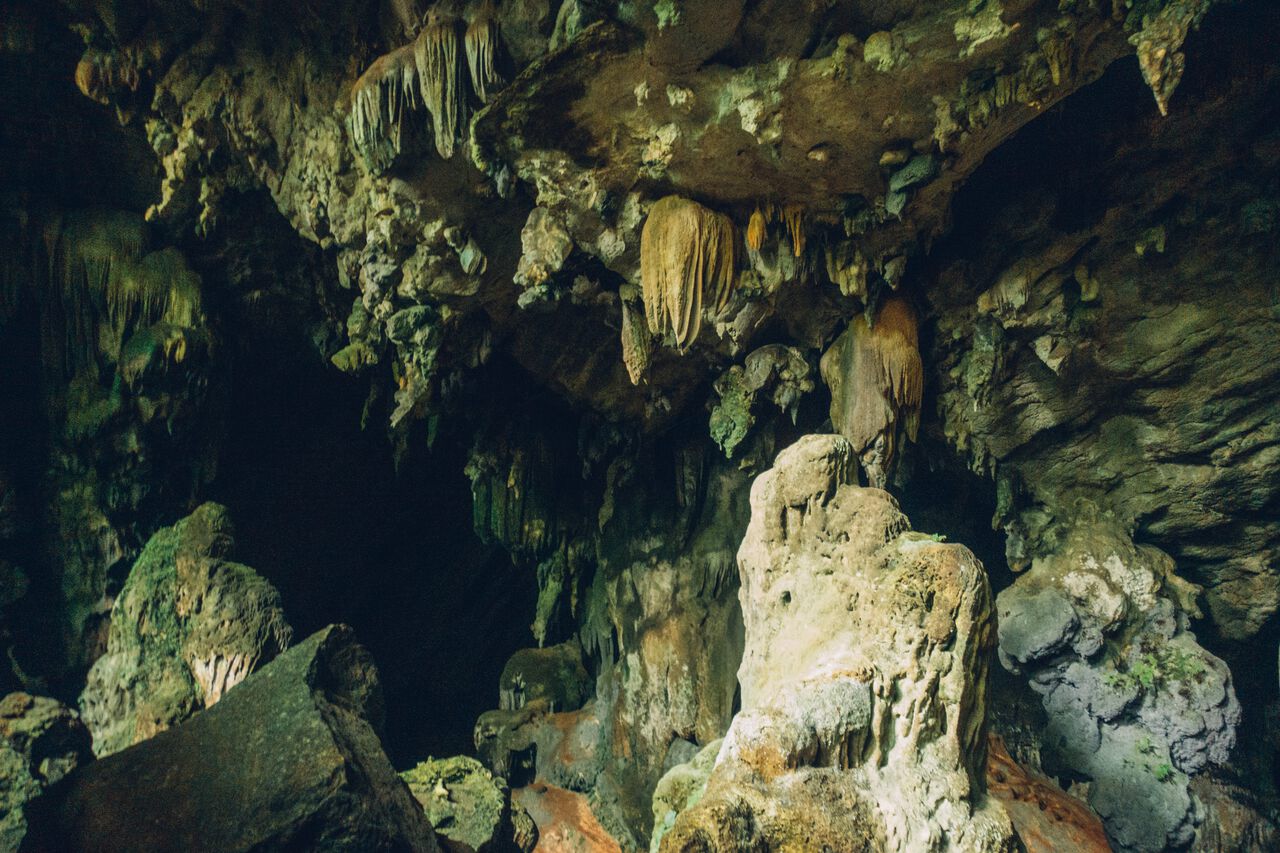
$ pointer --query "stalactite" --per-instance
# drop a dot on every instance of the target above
(380, 98)
(159, 288)
(687, 259)
(89, 253)
(876, 378)
(756, 228)
(482, 48)
(436, 54)
(793, 219)
(637, 345)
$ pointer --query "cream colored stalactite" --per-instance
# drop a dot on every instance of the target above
(382, 95)
(687, 260)
(793, 219)
(482, 45)
(637, 344)
(436, 56)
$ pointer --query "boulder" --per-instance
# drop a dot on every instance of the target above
(864, 680)
(469, 807)
(289, 760)
(41, 740)
(189, 624)
(1134, 704)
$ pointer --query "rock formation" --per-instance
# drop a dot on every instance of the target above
(1133, 702)
(298, 765)
(471, 811)
(481, 318)
(863, 678)
(188, 626)
(41, 740)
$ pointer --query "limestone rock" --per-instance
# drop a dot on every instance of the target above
(470, 809)
(188, 626)
(777, 373)
(289, 759)
(555, 675)
(864, 678)
(1133, 702)
(681, 788)
(41, 740)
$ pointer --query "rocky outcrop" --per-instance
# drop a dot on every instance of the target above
(469, 807)
(863, 681)
(189, 625)
(41, 740)
(298, 765)
(1106, 332)
(645, 582)
(1133, 702)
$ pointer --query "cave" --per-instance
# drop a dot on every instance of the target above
(568, 425)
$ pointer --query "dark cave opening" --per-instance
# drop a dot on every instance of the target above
(321, 510)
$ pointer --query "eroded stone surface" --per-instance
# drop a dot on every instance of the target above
(863, 681)
(188, 626)
(299, 764)
(41, 740)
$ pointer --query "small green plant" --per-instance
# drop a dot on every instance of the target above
(1118, 680)
(1145, 745)
(1163, 772)
(1145, 670)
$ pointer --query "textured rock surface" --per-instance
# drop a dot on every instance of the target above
(298, 765)
(41, 740)
(1099, 359)
(1045, 818)
(440, 209)
(470, 809)
(1133, 702)
(863, 681)
(188, 626)
(565, 821)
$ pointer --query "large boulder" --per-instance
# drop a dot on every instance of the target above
(41, 740)
(863, 682)
(1134, 704)
(289, 760)
(189, 625)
